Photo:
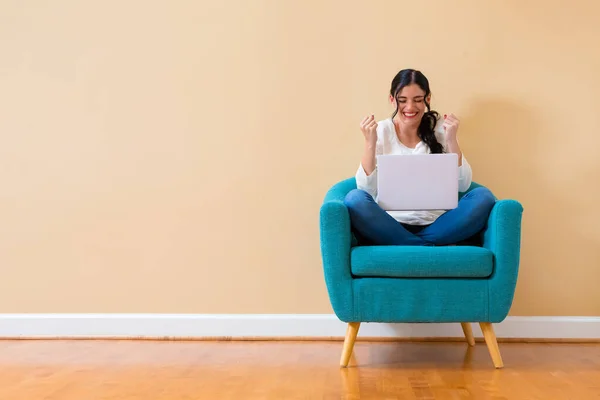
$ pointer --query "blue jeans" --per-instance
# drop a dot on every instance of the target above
(373, 226)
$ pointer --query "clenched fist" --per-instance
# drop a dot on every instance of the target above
(368, 126)
(451, 127)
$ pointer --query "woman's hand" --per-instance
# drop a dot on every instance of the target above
(451, 127)
(368, 126)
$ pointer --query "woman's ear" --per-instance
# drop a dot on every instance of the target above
(392, 100)
(429, 98)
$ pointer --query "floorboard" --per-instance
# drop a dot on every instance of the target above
(152, 370)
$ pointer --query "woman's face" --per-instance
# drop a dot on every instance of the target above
(411, 102)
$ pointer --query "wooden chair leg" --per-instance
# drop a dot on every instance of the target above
(351, 333)
(466, 327)
(492, 343)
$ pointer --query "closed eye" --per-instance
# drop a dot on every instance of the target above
(416, 99)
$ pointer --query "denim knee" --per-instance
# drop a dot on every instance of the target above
(356, 198)
(485, 198)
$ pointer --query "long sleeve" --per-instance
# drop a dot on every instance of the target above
(365, 182)
(465, 175)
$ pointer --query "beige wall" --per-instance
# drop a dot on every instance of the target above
(118, 120)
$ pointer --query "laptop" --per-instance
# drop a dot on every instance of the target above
(417, 182)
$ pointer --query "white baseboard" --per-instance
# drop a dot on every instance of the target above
(271, 326)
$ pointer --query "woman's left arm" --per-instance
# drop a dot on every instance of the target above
(451, 127)
(465, 174)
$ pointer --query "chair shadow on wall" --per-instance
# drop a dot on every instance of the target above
(508, 141)
(498, 135)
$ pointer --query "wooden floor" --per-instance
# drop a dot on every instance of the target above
(86, 370)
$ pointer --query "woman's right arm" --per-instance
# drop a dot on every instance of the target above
(368, 158)
(366, 176)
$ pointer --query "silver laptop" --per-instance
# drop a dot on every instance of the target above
(417, 182)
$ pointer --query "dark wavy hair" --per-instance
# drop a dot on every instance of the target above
(426, 130)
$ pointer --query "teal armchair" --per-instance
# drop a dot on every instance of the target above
(413, 284)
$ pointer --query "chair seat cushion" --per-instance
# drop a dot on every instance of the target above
(421, 262)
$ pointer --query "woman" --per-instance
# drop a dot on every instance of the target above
(413, 129)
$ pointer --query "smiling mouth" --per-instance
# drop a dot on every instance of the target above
(410, 115)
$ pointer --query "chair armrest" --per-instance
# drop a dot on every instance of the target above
(340, 190)
(335, 236)
(502, 237)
